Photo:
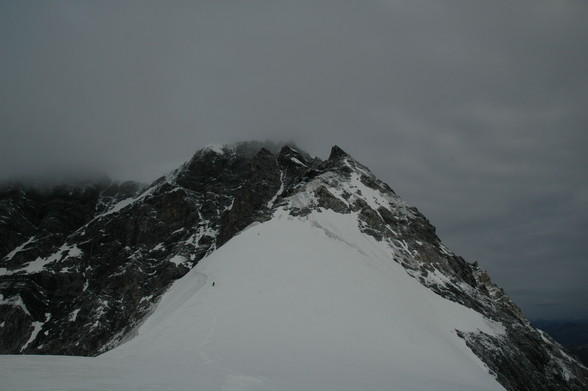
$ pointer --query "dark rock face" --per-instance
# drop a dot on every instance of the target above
(88, 264)
(573, 334)
(530, 353)
(260, 182)
(81, 267)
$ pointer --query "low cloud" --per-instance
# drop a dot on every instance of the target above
(475, 113)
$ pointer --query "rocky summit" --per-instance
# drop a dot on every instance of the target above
(83, 267)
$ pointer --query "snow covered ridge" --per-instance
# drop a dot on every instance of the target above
(299, 249)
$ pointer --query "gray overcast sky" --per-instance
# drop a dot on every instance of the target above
(476, 112)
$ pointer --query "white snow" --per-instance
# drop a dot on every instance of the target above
(348, 190)
(435, 277)
(39, 264)
(298, 304)
(445, 250)
(228, 207)
(119, 206)
(160, 246)
(297, 161)
(64, 252)
(375, 198)
(74, 251)
(203, 230)
(126, 202)
(271, 202)
(74, 315)
(216, 148)
(37, 326)
(178, 260)
(99, 312)
(20, 248)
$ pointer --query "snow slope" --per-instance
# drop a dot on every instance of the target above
(298, 303)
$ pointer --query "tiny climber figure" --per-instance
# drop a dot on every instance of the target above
(213, 283)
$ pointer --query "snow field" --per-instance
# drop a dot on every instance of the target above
(298, 304)
(310, 304)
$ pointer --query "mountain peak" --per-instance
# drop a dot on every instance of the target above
(337, 153)
(81, 271)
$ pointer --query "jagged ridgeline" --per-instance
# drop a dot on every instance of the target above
(83, 266)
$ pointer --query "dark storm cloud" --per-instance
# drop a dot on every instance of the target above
(475, 112)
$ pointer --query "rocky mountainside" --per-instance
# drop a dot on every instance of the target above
(572, 334)
(82, 267)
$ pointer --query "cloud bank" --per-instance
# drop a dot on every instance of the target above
(473, 112)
